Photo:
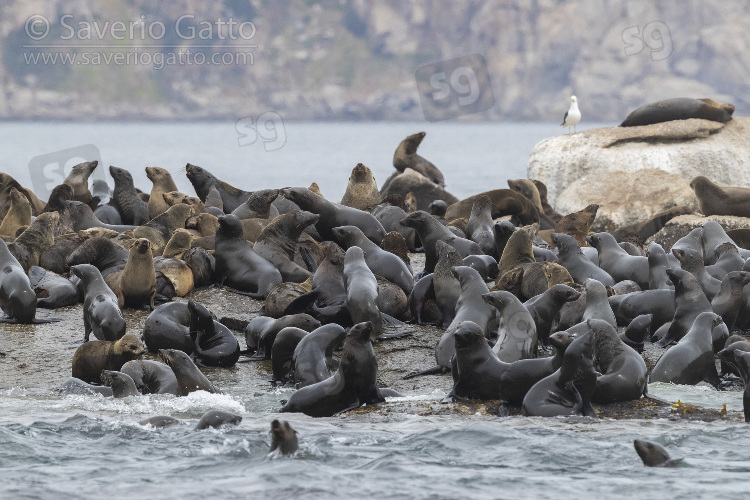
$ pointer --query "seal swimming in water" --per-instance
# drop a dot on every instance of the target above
(216, 419)
(189, 377)
(654, 455)
(283, 437)
(151, 377)
(679, 108)
(121, 383)
(568, 391)
(101, 312)
(362, 191)
(92, 357)
(406, 156)
(237, 264)
(215, 344)
(353, 384)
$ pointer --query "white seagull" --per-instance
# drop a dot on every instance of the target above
(573, 116)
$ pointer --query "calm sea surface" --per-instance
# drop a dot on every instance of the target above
(54, 446)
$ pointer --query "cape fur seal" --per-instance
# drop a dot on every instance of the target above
(101, 313)
(406, 157)
(720, 200)
(654, 455)
(283, 437)
(362, 191)
(78, 180)
(679, 108)
(132, 208)
(135, 285)
(92, 357)
(202, 181)
(162, 183)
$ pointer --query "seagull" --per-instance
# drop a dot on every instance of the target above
(573, 116)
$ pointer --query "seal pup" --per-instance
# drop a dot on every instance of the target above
(136, 284)
(406, 156)
(568, 391)
(353, 384)
(18, 215)
(362, 191)
(283, 437)
(692, 359)
(654, 455)
(580, 268)
(623, 371)
(430, 231)
(480, 227)
(151, 377)
(334, 215)
(121, 384)
(572, 116)
(516, 334)
(380, 262)
(258, 206)
(216, 419)
(202, 181)
(679, 108)
(690, 301)
(132, 208)
(92, 357)
(476, 368)
(78, 180)
(101, 312)
(189, 377)
(545, 307)
(617, 262)
(278, 242)
(237, 264)
(215, 344)
(313, 355)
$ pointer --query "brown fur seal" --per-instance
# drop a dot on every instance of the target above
(6, 184)
(578, 224)
(480, 226)
(92, 357)
(721, 200)
(102, 253)
(504, 201)
(277, 243)
(78, 179)
(177, 272)
(206, 225)
(178, 244)
(417, 190)
(101, 314)
(175, 197)
(362, 191)
(680, 108)
(406, 157)
(518, 251)
(283, 438)
(258, 206)
(528, 189)
(159, 230)
(214, 203)
(202, 180)
(19, 214)
(396, 244)
(136, 284)
(37, 238)
(654, 455)
(163, 183)
(60, 194)
(548, 210)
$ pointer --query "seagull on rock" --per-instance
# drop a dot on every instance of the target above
(573, 116)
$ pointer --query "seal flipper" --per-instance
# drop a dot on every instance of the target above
(712, 377)
(307, 258)
(302, 303)
(435, 370)
(35, 321)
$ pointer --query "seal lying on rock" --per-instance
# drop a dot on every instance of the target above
(720, 200)
(679, 108)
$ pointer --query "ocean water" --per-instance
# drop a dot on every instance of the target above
(74, 446)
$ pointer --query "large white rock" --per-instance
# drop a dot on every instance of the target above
(686, 148)
(626, 198)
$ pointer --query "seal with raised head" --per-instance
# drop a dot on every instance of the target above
(518, 251)
(728, 301)
(215, 344)
(530, 190)
(132, 208)
(258, 206)
(654, 455)
(476, 368)
(189, 377)
(430, 231)
(545, 307)
(18, 215)
(101, 313)
(578, 224)
(237, 264)
(623, 371)
(568, 391)
(78, 179)
(617, 262)
(162, 183)
(29, 246)
(353, 385)
(679, 108)
(692, 262)
(202, 180)
(216, 419)
(548, 210)
(380, 262)
(516, 334)
(121, 384)
(480, 227)
(6, 184)
(658, 263)
(92, 357)
(361, 291)
(334, 215)
(447, 288)
(278, 242)
(135, 285)
(690, 301)
(362, 191)
(406, 157)
(597, 304)
(692, 359)
(283, 437)
(580, 268)
(151, 377)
